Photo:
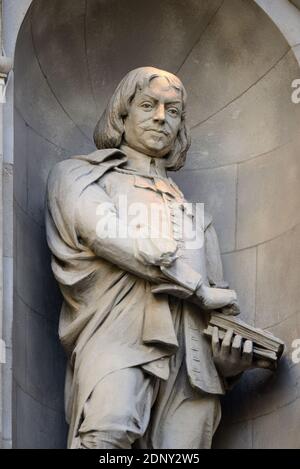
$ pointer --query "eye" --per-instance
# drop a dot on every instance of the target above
(147, 106)
(173, 112)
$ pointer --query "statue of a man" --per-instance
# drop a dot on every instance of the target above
(140, 371)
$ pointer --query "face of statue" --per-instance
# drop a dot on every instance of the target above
(154, 118)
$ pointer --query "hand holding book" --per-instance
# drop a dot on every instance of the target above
(233, 338)
(231, 355)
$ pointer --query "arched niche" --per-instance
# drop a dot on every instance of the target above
(243, 164)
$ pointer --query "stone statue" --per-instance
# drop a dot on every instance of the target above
(140, 371)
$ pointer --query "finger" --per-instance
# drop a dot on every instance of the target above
(235, 309)
(236, 348)
(231, 310)
(215, 342)
(226, 344)
(248, 352)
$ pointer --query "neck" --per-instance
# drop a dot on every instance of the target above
(143, 163)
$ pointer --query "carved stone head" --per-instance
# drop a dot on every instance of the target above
(147, 112)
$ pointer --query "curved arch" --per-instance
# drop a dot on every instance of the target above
(53, 138)
(283, 15)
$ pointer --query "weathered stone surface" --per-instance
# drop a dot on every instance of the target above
(261, 392)
(20, 156)
(285, 16)
(38, 423)
(215, 188)
(7, 396)
(39, 361)
(279, 429)
(7, 182)
(278, 278)
(8, 134)
(46, 362)
(35, 283)
(57, 43)
(268, 196)
(234, 436)
(240, 271)
(229, 58)
(45, 114)
(7, 299)
(28, 266)
(289, 329)
(296, 51)
(84, 294)
(296, 3)
(275, 430)
(259, 121)
(42, 155)
(119, 27)
(19, 342)
(13, 14)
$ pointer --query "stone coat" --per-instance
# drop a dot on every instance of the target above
(110, 319)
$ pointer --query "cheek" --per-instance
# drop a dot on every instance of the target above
(175, 126)
(134, 122)
(129, 126)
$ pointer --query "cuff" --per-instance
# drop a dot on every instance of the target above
(182, 274)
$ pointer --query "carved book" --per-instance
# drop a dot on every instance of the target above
(267, 349)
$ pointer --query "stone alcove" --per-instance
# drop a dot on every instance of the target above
(244, 164)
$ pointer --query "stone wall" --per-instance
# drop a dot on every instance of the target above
(243, 164)
(246, 130)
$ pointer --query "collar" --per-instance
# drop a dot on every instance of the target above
(144, 164)
(105, 156)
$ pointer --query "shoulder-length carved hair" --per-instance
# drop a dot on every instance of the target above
(109, 131)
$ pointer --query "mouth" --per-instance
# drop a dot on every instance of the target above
(164, 132)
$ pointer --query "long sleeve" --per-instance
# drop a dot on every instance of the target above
(95, 219)
(100, 228)
(214, 266)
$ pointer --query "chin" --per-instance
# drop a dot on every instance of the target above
(158, 153)
(158, 150)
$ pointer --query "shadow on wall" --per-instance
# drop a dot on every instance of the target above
(243, 164)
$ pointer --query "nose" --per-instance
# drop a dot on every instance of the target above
(160, 115)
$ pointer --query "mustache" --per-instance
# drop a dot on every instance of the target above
(156, 129)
